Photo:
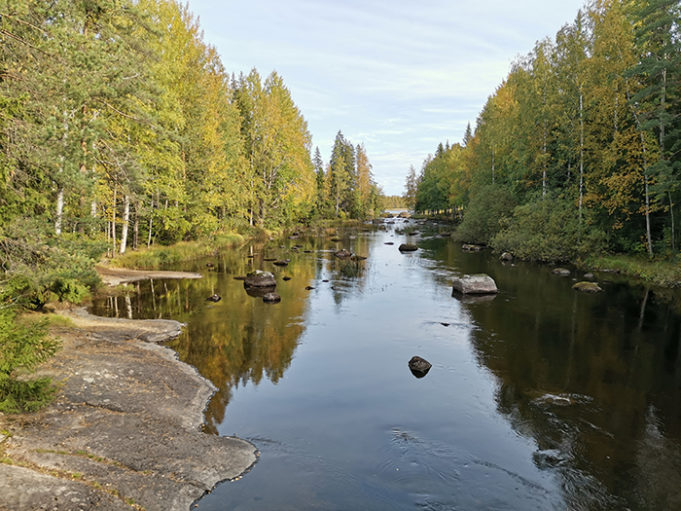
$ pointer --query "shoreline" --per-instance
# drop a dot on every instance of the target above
(123, 431)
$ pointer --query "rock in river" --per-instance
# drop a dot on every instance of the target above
(342, 253)
(214, 298)
(469, 247)
(407, 247)
(480, 284)
(271, 298)
(587, 287)
(419, 366)
(283, 262)
(260, 278)
(561, 272)
(506, 257)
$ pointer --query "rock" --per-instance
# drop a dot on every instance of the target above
(506, 257)
(271, 298)
(214, 298)
(404, 214)
(407, 247)
(419, 366)
(210, 265)
(389, 243)
(335, 240)
(589, 276)
(357, 258)
(307, 251)
(342, 253)
(269, 259)
(309, 288)
(239, 277)
(469, 247)
(325, 280)
(260, 278)
(561, 272)
(286, 278)
(281, 263)
(480, 284)
(587, 287)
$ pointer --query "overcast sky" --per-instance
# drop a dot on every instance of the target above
(398, 76)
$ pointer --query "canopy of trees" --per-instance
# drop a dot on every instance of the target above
(579, 148)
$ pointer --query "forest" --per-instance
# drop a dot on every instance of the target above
(120, 127)
(577, 152)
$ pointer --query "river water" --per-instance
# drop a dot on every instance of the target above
(539, 397)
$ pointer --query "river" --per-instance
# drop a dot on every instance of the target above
(540, 397)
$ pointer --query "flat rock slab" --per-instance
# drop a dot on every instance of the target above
(480, 284)
(124, 430)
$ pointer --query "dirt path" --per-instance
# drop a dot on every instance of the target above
(124, 430)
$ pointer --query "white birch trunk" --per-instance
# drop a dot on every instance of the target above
(126, 224)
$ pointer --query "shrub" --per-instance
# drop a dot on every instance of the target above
(548, 230)
(486, 211)
(22, 347)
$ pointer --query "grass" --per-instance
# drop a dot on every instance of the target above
(666, 273)
(158, 257)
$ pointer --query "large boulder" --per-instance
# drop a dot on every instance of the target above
(260, 278)
(479, 284)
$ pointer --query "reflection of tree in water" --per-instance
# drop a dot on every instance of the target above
(594, 380)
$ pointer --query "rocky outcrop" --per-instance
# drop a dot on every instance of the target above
(479, 284)
(124, 429)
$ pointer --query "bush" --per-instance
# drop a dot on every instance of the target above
(548, 230)
(486, 211)
(22, 347)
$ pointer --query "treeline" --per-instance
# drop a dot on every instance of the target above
(346, 187)
(578, 150)
(118, 118)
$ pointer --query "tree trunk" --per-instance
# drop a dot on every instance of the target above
(136, 227)
(60, 211)
(126, 224)
(647, 196)
(581, 156)
(151, 221)
(113, 224)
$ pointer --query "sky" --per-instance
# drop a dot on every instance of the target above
(397, 76)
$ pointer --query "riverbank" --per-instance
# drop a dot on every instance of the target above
(124, 430)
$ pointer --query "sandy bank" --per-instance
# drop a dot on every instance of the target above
(124, 430)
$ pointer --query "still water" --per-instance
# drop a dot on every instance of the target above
(538, 398)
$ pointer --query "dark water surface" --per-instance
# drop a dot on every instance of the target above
(538, 398)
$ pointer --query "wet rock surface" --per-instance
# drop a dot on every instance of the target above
(478, 284)
(124, 430)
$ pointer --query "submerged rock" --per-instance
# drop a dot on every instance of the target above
(286, 278)
(419, 366)
(407, 247)
(281, 263)
(561, 272)
(271, 298)
(356, 257)
(342, 253)
(589, 276)
(214, 298)
(470, 247)
(587, 287)
(480, 284)
(260, 278)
